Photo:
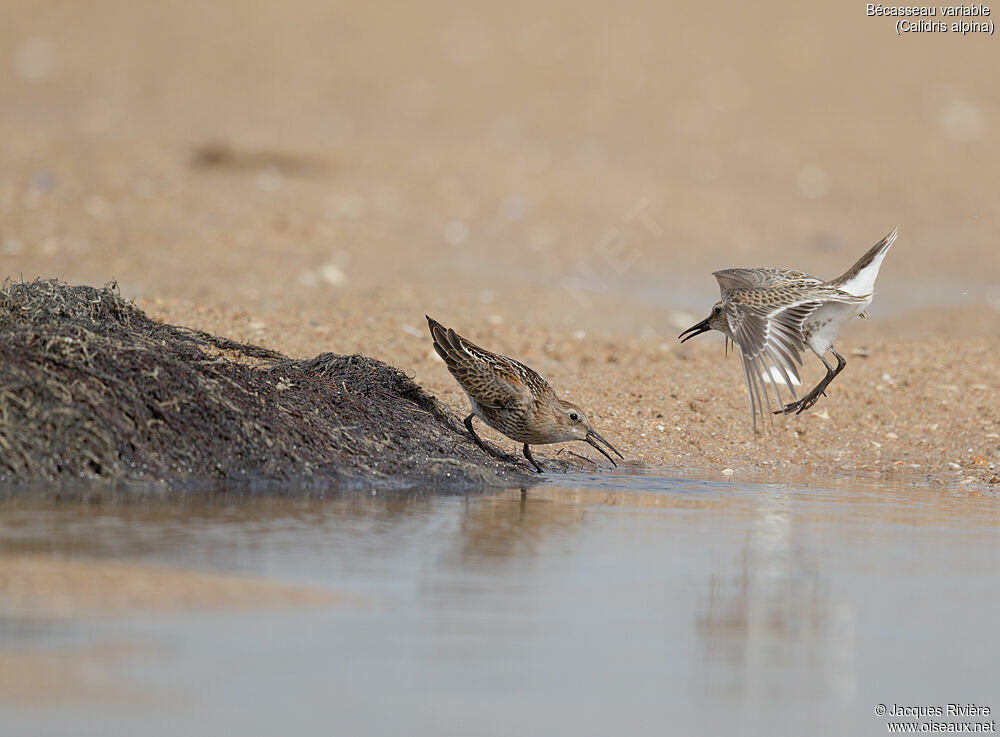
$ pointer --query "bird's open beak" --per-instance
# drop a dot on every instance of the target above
(593, 437)
(701, 327)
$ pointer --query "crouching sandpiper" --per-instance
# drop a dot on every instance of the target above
(512, 398)
(773, 314)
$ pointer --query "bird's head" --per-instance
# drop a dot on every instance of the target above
(570, 423)
(716, 320)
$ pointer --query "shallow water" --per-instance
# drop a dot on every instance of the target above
(604, 605)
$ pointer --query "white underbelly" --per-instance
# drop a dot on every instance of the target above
(825, 323)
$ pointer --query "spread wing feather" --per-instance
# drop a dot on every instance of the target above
(769, 341)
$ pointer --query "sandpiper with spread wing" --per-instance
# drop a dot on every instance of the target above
(773, 314)
(512, 398)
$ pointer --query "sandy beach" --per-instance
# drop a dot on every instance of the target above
(557, 184)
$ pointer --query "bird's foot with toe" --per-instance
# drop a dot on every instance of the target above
(501, 456)
(801, 405)
(498, 454)
(495, 452)
(809, 402)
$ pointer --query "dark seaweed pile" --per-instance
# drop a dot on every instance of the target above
(92, 388)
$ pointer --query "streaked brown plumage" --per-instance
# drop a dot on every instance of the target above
(510, 397)
(773, 314)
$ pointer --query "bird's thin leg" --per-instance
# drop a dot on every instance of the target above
(484, 446)
(472, 432)
(831, 374)
(527, 454)
(820, 389)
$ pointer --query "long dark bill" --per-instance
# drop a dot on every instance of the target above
(701, 327)
(591, 440)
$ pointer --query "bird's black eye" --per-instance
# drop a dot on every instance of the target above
(716, 310)
(574, 416)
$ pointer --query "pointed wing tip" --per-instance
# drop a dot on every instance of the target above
(437, 330)
(433, 325)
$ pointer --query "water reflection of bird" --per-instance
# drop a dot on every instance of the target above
(772, 315)
(512, 398)
(769, 613)
(510, 524)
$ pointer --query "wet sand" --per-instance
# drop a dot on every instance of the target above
(557, 183)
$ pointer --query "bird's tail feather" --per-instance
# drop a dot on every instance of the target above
(859, 280)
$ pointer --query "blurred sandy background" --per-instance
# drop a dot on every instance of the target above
(555, 180)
